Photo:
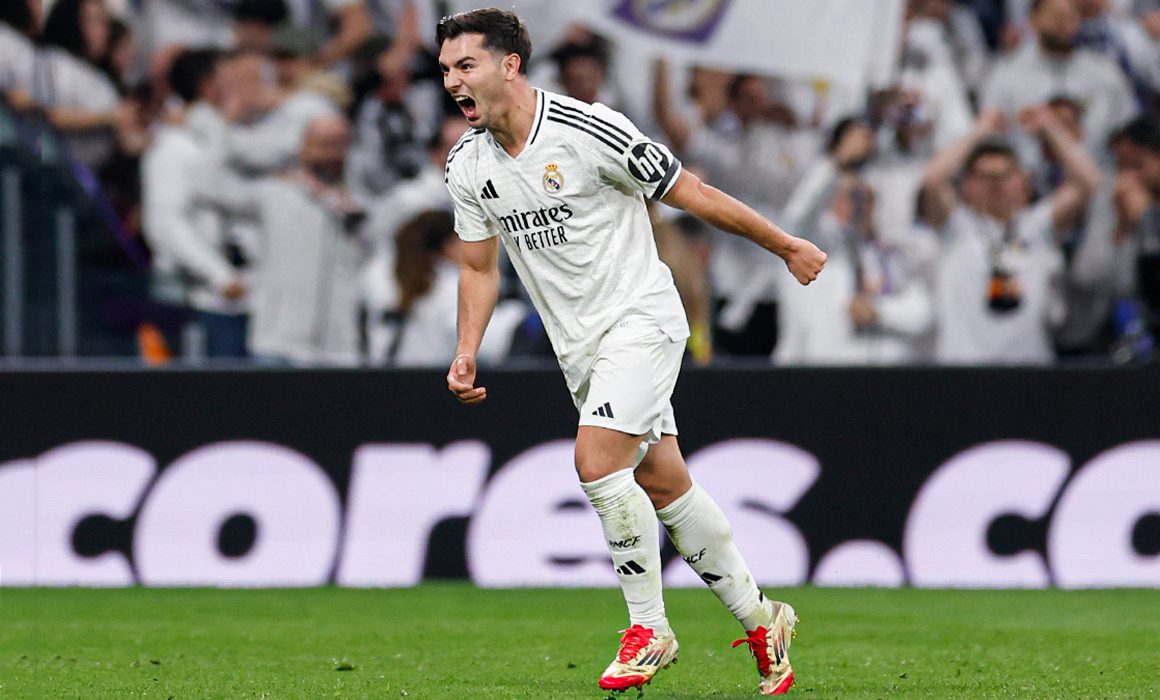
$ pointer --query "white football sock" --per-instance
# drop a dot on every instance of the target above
(633, 539)
(704, 538)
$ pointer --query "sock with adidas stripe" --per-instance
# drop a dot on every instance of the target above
(704, 538)
(633, 539)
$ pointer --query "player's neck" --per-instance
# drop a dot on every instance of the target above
(513, 129)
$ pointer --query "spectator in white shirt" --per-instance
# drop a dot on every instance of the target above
(304, 292)
(961, 35)
(81, 98)
(1091, 280)
(426, 191)
(390, 131)
(1054, 64)
(998, 289)
(166, 23)
(1137, 203)
(267, 130)
(1148, 11)
(17, 52)
(937, 92)
(875, 306)
(192, 264)
(1122, 38)
(925, 110)
(166, 26)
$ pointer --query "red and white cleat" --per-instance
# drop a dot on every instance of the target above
(642, 653)
(770, 646)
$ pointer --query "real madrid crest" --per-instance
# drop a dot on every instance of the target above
(553, 179)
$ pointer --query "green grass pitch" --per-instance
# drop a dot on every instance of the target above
(455, 641)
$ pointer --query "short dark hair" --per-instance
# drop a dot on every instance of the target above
(268, 12)
(739, 82)
(62, 28)
(1142, 131)
(190, 70)
(18, 15)
(839, 131)
(989, 148)
(596, 49)
(501, 30)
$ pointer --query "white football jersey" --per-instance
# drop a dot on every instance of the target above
(571, 213)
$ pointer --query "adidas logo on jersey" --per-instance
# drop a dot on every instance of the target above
(489, 191)
(604, 411)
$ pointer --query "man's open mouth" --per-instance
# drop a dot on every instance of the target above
(467, 104)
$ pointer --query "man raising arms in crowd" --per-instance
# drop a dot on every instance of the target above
(562, 183)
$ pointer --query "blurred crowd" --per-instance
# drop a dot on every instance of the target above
(282, 160)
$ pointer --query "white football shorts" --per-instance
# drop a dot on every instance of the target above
(631, 381)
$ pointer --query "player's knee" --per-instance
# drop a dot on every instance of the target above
(602, 452)
(661, 492)
(590, 468)
(661, 497)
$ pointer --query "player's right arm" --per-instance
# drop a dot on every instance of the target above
(478, 274)
(478, 293)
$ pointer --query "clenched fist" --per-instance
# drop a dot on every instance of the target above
(805, 260)
(461, 380)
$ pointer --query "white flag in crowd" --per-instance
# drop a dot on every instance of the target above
(851, 42)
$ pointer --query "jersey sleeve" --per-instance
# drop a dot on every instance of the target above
(471, 221)
(643, 164)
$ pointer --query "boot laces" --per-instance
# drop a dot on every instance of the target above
(758, 646)
(635, 638)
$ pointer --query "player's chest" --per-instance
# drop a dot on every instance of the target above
(539, 178)
(536, 201)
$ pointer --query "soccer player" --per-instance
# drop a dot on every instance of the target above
(563, 183)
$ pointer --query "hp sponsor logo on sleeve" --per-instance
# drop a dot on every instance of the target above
(648, 163)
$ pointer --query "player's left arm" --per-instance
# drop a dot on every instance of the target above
(651, 169)
(716, 208)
